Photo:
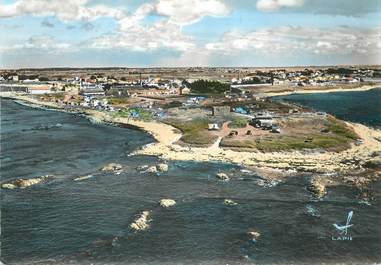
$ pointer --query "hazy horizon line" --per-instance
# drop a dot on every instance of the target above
(183, 67)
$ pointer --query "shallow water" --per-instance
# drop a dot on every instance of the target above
(357, 106)
(83, 222)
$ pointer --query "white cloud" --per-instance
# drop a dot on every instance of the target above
(132, 33)
(135, 19)
(188, 12)
(46, 43)
(287, 40)
(275, 5)
(144, 38)
(165, 33)
(67, 10)
(177, 11)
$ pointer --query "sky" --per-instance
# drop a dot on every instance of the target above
(182, 33)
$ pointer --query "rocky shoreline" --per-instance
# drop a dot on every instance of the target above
(356, 158)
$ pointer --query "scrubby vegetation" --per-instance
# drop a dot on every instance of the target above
(285, 143)
(118, 101)
(339, 128)
(52, 96)
(173, 104)
(194, 132)
(340, 71)
(137, 113)
(208, 87)
(238, 122)
(337, 137)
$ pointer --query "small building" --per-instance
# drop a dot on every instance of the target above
(220, 110)
(263, 120)
(13, 88)
(184, 91)
(213, 126)
(118, 91)
(240, 110)
(93, 92)
(265, 124)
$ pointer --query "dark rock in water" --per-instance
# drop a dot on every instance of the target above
(44, 127)
(361, 182)
(115, 242)
(103, 243)
(365, 196)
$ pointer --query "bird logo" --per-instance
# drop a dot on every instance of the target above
(343, 229)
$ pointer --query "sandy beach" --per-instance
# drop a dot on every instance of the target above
(166, 148)
(302, 90)
(322, 162)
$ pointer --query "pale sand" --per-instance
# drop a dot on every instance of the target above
(167, 136)
(323, 90)
(302, 161)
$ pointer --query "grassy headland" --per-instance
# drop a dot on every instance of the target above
(195, 132)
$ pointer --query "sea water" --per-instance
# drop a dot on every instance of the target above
(87, 222)
(356, 106)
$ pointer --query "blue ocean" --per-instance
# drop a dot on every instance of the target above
(64, 221)
(356, 106)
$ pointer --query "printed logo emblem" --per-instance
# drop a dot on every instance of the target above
(343, 229)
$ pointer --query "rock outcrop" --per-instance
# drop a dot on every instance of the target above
(141, 169)
(162, 167)
(166, 203)
(83, 178)
(153, 169)
(229, 202)
(223, 176)
(253, 234)
(142, 222)
(23, 183)
(317, 187)
(112, 167)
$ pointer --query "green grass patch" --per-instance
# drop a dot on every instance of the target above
(286, 143)
(142, 114)
(238, 122)
(173, 104)
(53, 96)
(194, 132)
(337, 138)
(118, 101)
(339, 128)
(208, 87)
